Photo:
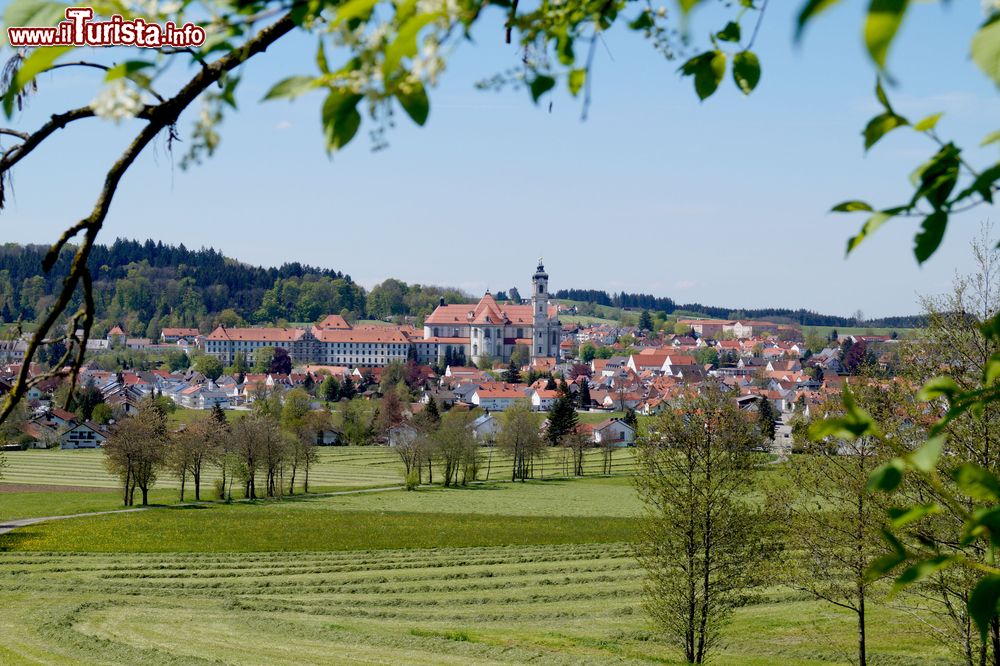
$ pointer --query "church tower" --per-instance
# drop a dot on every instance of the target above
(540, 308)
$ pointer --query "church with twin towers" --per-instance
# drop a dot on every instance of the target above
(489, 329)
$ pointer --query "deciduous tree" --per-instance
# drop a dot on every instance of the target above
(520, 440)
(136, 450)
(702, 544)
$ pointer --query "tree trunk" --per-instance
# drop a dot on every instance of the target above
(128, 478)
(995, 639)
(196, 477)
(145, 495)
(862, 651)
(183, 480)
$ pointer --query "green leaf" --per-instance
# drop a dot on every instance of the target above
(982, 185)
(901, 517)
(124, 69)
(707, 69)
(31, 13)
(39, 60)
(731, 33)
(851, 206)
(937, 177)
(405, 44)
(880, 95)
(564, 50)
(292, 87)
(985, 521)
(983, 603)
(353, 9)
(922, 570)
(886, 563)
(881, 125)
(938, 387)
(688, 5)
(887, 477)
(643, 21)
(881, 24)
(870, 226)
(577, 78)
(992, 370)
(810, 10)
(926, 457)
(415, 103)
(540, 85)
(746, 71)
(931, 233)
(986, 48)
(882, 565)
(321, 61)
(990, 138)
(341, 119)
(928, 123)
(976, 482)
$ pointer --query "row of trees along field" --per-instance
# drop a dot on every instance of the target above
(275, 445)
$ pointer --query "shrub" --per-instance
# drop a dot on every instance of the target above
(220, 489)
(412, 480)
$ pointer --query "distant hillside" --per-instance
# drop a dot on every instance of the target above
(801, 316)
(146, 286)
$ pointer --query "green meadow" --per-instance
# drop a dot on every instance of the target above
(495, 573)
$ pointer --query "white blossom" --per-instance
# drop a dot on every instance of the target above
(429, 63)
(117, 101)
(447, 7)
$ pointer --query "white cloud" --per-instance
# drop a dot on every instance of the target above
(685, 284)
(283, 125)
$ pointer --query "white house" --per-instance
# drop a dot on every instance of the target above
(543, 399)
(86, 435)
(614, 431)
(496, 399)
(402, 434)
(486, 427)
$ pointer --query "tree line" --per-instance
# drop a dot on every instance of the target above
(268, 452)
(668, 306)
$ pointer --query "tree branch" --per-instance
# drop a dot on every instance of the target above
(160, 117)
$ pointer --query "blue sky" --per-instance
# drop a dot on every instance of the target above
(722, 202)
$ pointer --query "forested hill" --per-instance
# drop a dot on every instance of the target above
(146, 286)
(669, 306)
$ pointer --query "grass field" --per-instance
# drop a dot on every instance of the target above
(538, 572)
(586, 320)
(858, 330)
(338, 467)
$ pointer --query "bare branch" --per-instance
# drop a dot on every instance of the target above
(161, 116)
(10, 132)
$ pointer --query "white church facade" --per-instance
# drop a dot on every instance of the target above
(488, 329)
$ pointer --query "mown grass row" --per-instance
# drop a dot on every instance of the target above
(547, 604)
